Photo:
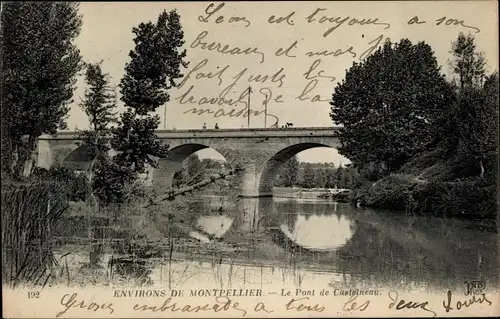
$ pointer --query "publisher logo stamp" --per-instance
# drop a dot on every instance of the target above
(475, 287)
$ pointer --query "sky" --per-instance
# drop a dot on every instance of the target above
(296, 83)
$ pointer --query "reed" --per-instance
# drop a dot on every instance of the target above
(29, 212)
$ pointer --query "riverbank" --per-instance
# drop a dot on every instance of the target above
(340, 196)
(432, 191)
(291, 236)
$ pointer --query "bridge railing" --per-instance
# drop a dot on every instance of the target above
(238, 132)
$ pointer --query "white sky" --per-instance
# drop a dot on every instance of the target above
(106, 35)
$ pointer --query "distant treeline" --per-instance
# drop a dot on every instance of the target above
(315, 175)
(195, 170)
(292, 174)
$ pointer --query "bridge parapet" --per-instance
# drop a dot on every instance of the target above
(229, 133)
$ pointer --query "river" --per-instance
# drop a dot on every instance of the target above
(248, 243)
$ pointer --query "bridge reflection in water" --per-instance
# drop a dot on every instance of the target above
(297, 241)
(377, 247)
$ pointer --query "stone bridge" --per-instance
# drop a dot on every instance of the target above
(260, 152)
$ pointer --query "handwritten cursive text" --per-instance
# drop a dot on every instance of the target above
(295, 305)
(222, 303)
(447, 304)
(70, 301)
(400, 304)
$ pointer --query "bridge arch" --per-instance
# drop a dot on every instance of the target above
(276, 162)
(77, 159)
(173, 163)
(181, 152)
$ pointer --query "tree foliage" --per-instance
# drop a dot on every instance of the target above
(388, 105)
(72, 184)
(39, 65)
(288, 174)
(291, 172)
(154, 68)
(136, 142)
(319, 178)
(179, 179)
(113, 183)
(456, 175)
(308, 179)
(155, 63)
(340, 177)
(472, 125)
(478, 130)
(195, 172)
(331, 178)
(99, 105)
(211, 164)
(467, 64)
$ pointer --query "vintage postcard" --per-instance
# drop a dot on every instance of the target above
(249, 159)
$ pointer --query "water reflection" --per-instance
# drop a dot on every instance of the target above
(209, 227)
(301, 238)
(368, 246)
(319, 233)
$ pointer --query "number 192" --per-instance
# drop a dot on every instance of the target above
(33, 294)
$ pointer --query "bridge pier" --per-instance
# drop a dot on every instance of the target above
(254, 180)
(44, 156)
(250, 180)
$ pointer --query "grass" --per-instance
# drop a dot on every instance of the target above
(29, 213)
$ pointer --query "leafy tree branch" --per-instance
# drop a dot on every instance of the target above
(39, 65)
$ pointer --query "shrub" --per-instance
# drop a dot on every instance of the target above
(392, 192)
(73, 184)
(470, 198)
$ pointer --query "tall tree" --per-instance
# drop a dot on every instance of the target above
(348, 178)
(471, 127)
(39, 65)
(387, 105)
(154, 68)
(477, 133)
(290, 172)
(112, 182)
(340, 177)
(468, 64)
(99, 104)
(331, 181)
(490, 140)
(309, 177)
(319, 178)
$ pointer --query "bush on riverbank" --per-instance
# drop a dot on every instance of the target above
(466, 198)
(432, 184)
(469, 198)
(391, 192)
